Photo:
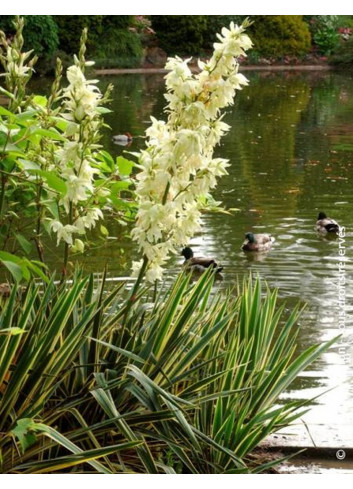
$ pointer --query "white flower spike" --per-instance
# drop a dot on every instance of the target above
(178, 169)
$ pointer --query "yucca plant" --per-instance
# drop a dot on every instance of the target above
(220, 361)
(189, 382)
(44, 369)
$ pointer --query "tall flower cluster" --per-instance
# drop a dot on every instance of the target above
(76, 163)
(17, 66)
(178, 169)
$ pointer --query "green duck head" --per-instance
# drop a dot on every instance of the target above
(250, 237)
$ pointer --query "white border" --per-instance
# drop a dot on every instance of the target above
(180, 7)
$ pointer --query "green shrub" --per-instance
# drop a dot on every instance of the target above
(190, 34)
(343, 54)
(326, 41)
(273, 35)
(70, 29)
(6, 24)
(40, 33)
(109, 43)
(344, 21)
(181, 34)
(280, 35)
(324, 33)
(118, 48)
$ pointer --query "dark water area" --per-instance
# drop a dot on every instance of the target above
(291, 153)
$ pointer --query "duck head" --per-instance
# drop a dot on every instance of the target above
(321, 215)
(250, 237)
(187, 253)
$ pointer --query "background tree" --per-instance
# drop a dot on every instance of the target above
(40, 33)
(181, 34)
(112, 40)
(280, 35)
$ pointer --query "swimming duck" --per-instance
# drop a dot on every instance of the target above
(257, 242)
(198, 263)
(122, 139)
(326, 225)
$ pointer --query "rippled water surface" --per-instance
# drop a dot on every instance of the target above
(291, 154)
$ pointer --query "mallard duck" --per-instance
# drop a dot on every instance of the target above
(198, 263)
(122, 139)
(326, 225)
(257, 242)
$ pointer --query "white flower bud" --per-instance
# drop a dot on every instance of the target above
(78, 246)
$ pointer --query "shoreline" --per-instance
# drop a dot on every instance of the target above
(124, 71)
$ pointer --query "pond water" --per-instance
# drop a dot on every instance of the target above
(291, 152)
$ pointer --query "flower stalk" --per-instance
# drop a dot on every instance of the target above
(178, 167)
(76, 161)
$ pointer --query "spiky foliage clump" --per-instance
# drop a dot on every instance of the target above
(187, 383)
